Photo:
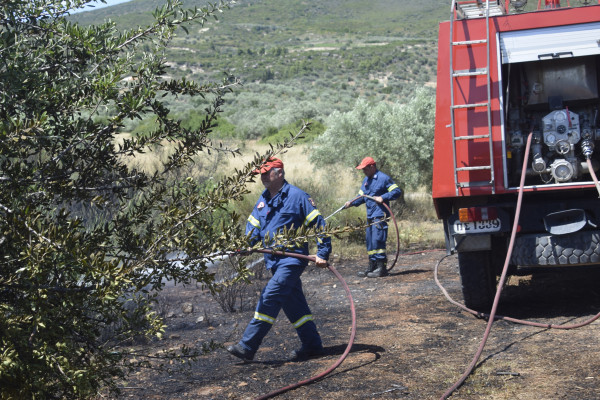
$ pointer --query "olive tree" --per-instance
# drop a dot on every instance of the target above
(86, 237)
(398, 136)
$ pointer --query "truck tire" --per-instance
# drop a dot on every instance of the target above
(542, 249)
(477, 279)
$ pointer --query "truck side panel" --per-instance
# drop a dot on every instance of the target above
(468, 122)
(471, 90)
(543, 80)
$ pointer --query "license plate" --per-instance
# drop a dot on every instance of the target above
(465, 228)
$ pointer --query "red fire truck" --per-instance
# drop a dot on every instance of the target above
(508, 71)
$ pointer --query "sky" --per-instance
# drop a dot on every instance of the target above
(101, 5)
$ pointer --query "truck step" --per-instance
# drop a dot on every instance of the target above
(470, 72)
(469, 42)
(478, 168)
(471, 105)
(471, 9)
(476, 184)
(471, 137)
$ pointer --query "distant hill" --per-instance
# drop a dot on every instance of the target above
(376, 17)
(253, 30)
(313, 54)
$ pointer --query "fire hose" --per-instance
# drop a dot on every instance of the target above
(392, 216)
(348, 294)
(591, 169)
(352, 332)
(492, 315)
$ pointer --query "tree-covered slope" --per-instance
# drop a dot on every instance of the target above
(301, 58)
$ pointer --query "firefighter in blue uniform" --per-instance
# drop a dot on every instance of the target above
(382, 189)
(280, 206)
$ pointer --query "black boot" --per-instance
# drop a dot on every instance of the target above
(380, 271)
(304, 353)
(370, 269)
(240, 352)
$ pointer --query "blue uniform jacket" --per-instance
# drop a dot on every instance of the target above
(379, 185)
(291, 208)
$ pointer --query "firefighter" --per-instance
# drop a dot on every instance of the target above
(382, 189)
(280, 206)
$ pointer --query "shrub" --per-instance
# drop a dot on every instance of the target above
(398, 136)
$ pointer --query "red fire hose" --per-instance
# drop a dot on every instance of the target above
(352, 333)
(492, 315)
(393, 217)
(348, 294)
(594, 178)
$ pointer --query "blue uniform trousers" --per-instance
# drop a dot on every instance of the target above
(283, 291)
(376, 239)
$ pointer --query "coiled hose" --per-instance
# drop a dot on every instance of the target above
(348, 294)
(492, 315)
(352, 332)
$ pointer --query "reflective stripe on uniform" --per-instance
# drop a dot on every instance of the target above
(254, 222)
(314, 214)
(302, 320)
(361, 192)
(376, 251)
(263, 317)
(392, 187)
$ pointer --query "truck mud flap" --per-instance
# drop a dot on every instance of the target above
(542, 249)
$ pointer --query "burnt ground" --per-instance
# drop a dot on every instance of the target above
(411, 343)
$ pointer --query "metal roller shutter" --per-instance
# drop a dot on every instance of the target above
(550, 43)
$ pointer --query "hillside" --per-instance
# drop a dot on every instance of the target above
(300, 59)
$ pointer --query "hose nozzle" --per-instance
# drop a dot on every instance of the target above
(587, 147)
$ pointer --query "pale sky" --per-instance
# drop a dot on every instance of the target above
(100, 4)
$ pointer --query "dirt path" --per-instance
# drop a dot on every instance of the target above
(411, 343)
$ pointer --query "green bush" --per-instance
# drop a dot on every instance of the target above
(87, 237)
(398, 136)
(274, 135)
(224, 129)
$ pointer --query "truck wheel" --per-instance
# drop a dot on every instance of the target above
(538, 249)
(477, 279)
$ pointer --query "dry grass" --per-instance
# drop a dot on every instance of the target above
(298, 169)
(417, 223)
(330, 187)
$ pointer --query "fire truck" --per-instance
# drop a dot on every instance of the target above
(512, 77)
